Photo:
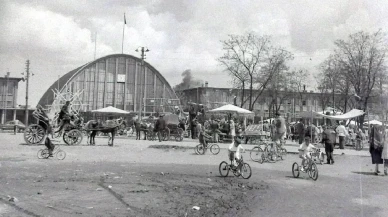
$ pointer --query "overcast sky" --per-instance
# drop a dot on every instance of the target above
(58, 35)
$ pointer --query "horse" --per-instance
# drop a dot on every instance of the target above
(110, 126)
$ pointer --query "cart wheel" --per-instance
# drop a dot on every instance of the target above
(313, 172)
(61, 155)
(295, 170)
(73, 137)
(43, 154)
(215, 149)
(246, 171)
(223, 169)
(34, 134)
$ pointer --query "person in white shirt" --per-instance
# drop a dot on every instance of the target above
(305, 150)
(342, 133)
(235, 149)
(232, 129)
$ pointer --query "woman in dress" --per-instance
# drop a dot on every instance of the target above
(376, 141)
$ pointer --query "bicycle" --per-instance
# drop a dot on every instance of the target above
(317, 156)
(257, 154)
(58, 152)
(311, 169)
(200, 150)
(242, 169)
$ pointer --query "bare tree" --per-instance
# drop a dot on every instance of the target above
(355, 67)
(362, 57)
(243, 57)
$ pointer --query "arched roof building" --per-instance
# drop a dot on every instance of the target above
(117, 80)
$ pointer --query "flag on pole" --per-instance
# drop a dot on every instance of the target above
(125, 20)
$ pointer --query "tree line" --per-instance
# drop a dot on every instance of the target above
(353, 74)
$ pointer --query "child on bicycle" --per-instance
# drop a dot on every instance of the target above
(202, 135)
(305, 150)
(235, 149)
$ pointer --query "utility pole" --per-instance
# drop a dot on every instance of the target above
(143, 50)
(27, 83)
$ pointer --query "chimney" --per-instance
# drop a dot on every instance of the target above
(206, 84)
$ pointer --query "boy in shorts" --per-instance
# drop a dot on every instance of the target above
(305, 150)
(235, 149)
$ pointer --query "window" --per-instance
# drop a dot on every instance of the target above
(304, 102)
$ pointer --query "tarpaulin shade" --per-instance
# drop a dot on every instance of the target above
(111, 109)
(349, 115)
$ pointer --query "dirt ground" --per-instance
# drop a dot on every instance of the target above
(93, 182)
(131, 179)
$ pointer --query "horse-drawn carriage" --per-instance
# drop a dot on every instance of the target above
(172, 129)
(36, 133)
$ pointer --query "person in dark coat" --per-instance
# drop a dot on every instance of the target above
(299, 129)
(160, 126)
(328, 137)
(376, 140)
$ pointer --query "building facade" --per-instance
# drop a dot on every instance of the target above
(118, 80)
(8, 99)
(293, 105)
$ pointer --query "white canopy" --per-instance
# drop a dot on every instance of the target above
(349, 115)
(231, 109)
(373, 122)
(111, 109)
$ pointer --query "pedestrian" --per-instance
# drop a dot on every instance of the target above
(328, 137)
(280, 132)
(376, 140)
(15, 127)
(385, 152)
(160, 126)
(193, 129)
(232, 128)
(299, 129)
(342, 133)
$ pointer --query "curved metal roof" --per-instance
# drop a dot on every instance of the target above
(48, 96)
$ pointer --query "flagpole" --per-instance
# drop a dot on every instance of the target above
(122, 41)
(95, 45)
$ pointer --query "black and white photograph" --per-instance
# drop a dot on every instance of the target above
(193, 108)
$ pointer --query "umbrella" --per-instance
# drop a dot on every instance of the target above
(110, 109)
(373, 122)
(231, 109)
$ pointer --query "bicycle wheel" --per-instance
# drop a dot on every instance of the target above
(43, 154)
(61, 155)
(256, 154)
(270, 154)
(246, 171)
(295, 170)
(224, 169)
(313, 171)
(215, 149)
(200, 149)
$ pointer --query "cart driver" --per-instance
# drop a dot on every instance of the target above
(64, 117)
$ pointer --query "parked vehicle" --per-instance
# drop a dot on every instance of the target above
(9, 125)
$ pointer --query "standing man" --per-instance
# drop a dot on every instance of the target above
(15, 127)
(280, 124)
(160, 126)
(342, 132)
(299, 131)
(328, 137)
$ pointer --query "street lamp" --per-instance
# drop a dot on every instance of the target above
(143, 50)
